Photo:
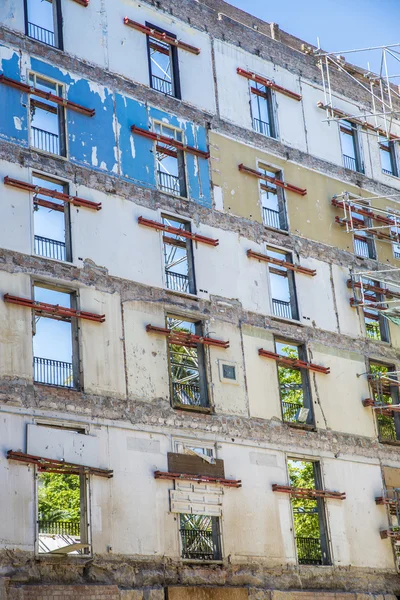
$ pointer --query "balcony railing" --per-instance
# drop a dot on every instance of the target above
(290, 410)
(199, 545)
(177, 281)
(396, 252)
(53, 372)
(169, 183)
(162, 85)
(40, 33)
(262, 127)
(50, 248)
(309, 551)
(386, 428)
(362, 248)
(271, 218)
(185, 393)
(72, 528)
(282, 309)
(44, 140)
(387, 172)
(351, 163)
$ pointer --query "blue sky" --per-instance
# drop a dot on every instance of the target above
(340, 24)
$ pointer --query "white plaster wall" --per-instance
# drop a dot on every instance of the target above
(340, 393)
(85, 31)
(229, 398)
(127, 49)
(16, 358)
(12, 14)
(315, 296)
(234, 94)
(15, 210)
(355, 523)
(349, 322)
(146, 353)
(261, 375)
(102, 344)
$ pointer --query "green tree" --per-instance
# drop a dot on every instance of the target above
(291, 385)
(58, 497)
(305, 512)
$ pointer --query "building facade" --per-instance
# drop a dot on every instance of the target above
(198, 384)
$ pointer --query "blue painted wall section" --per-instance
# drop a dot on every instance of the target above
(103, 142)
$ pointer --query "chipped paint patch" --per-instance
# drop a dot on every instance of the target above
(133, 151)
(95, 162)
(17, 123)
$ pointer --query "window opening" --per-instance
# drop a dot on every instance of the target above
(350, 150)
(178, 257)
(261, 109)
(43, 21)
(55, 348)
(200, 537)
(308, 514)
(163, 63)
(187, 366)
(62, 513)
(372, 303)
(272, 201)
(170, 162)
(388, 156)
(51, 223)
(187, 447)
(294, 386)
(47, 118)
(385, 391)
(284, 301)
(364, 244)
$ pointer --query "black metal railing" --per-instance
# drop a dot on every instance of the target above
(53, 372)
(199, 545)
(169, 183)
(271, 218)
(290, 410)
(185, 393)
(386, 428)
(350, 162)
(309, 551)
(72, 528)
(177, 281)
(262, 127)
(282, 309)
(361, 248)
(387, 172)
(40, 33)
(44, 140)
(162, 85)
(396, 253)
(50, 248)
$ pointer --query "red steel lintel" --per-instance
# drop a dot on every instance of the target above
(281, 263)
(84, 3)
(363, 211)
(364, 124)
(307, 493)
(163, 37)
(176, 231)
(53, 309)
(23, 87)
(51, 465)
(287, 186)
(268, 83)
(181, 337)
(373, 288)
(358, 224)
(163, 139)
(235, 483)
(35, 189)
(389, 533)
(294, 362)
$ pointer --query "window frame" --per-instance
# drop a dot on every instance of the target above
(395, 397)
(58, 29)
(188, 243)
(179, 444)
(287, 256)
(268, 96)
(67, 218)
(351, 130)
(280, 195)
(77, 373)
(217, 541)
(389, 147)
(174, 62)
(203, 361)
(384, 330)
(61, 112)
(306, 385)
(180, 155)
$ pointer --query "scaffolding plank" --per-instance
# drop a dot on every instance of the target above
(293, 362)
(268, 83)
(176, 231)
(281, 263)
(23, 87)
(163, 139)
(163, 37)
(53, 310)
(282, 184)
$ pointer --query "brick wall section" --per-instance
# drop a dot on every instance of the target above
(65, 592)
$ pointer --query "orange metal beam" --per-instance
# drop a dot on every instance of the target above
(176, 231)
(53, 310)
(281, 263)
(163, 37)
(363, 211)
(234, 483)
(268, 83)
(307, 493)
(287, 186)
(23, 87)
(364, 124)
(186, 339)
(293, 362)
(49, 465)
(82, 2)
(163, 139)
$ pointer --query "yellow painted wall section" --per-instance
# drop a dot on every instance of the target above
(207, 593)
(311, 216)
